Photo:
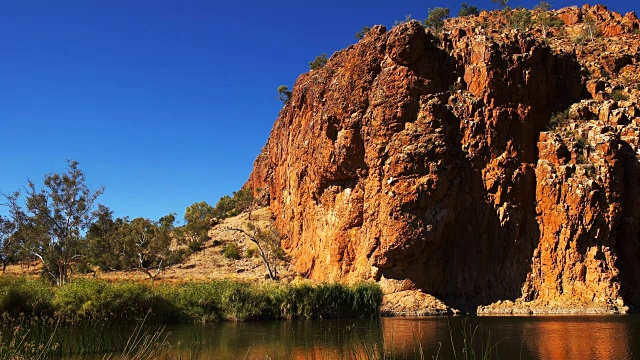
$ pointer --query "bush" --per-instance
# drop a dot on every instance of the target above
(520, 19)
(618, 95)
(195, 246)
(231, 251)
(581, 143)
(360, 34)
(558, 119)
(436, 17)
(319, 62)
(251, 252)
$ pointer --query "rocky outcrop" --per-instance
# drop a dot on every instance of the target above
(425, 161)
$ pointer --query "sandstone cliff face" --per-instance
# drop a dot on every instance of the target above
(425, 162)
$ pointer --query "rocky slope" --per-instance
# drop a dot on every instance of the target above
(435, 163)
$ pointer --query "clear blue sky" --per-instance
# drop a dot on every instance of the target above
(163, 102)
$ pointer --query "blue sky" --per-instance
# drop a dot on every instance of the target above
(164, 103)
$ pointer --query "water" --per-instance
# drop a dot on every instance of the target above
(552, 337)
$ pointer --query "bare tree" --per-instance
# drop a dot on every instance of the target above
(268, 243)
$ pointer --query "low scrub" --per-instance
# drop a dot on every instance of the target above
(97, 301)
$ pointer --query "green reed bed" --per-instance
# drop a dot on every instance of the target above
(96, 301)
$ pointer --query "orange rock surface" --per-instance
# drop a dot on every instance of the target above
(428, 162)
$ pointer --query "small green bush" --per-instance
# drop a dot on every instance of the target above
(319, 62)
(231, 251)
(468, 10)
(581, 143)
(360, 34)
(520, 19)
(618, 95)
(195, 246)
(558, 119)
(251, 252)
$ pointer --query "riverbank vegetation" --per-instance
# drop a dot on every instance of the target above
(61, 226)
(91, 301)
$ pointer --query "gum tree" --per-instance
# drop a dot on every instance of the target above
(55, 218)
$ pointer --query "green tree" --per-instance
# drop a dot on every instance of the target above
(197, 218)
(146, 246)
(436, 17)
(284, 94)
(319, 62)
(104, 241)
(468, 10)
(228, 206)
(360, 34)
(56, 217)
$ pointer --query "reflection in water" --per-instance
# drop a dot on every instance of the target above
(583, 338)
(559, 337)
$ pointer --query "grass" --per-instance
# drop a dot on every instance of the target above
(96, 301)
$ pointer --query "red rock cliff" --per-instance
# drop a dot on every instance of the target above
(426, 162)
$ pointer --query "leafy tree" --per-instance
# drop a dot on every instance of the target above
(267, 242)
(284, 94)
(436, 17)
(104, 240)
(55, 219)
(468, 10)
(360, 34)
(319, 62)
(146, 246)
(195, 230)
(521, 19)
(229, 206)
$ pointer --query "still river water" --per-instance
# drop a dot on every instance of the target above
(539, 337)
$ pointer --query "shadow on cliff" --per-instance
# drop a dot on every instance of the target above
(476, 242)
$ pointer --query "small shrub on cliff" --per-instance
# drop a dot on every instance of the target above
(558, 119)
(581, 143)
(468, 10)
(284, 94)
(618, 95)
(319, 62)
(501, 3)
(436, 17)
(360, 34)
(591, 28)
(521, 19)
(546, 19)
(407, 18)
